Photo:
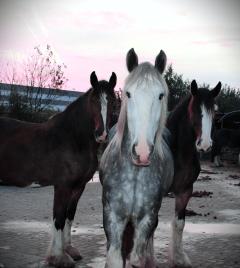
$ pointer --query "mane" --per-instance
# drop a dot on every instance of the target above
(147, 74)
(180, 110)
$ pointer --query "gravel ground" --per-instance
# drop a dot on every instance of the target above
(211, 238)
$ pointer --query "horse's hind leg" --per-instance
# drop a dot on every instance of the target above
(69, 249)
(178, 258)
(56, 256)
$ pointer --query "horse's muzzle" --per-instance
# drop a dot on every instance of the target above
(141, 159)
(203, 146)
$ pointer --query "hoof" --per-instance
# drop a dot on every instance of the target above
(150, 263)
(181, 265)
(219, 165)
(73, 252)
(62, 261)
(128, 264)
(181, 261)
(137, 262)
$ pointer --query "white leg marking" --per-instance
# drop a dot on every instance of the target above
(114, 258)
(57, 242)
(216, 163)
(56, 256)
(177, 255)
(140, 242)
(67, 232)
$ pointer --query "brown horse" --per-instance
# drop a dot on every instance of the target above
(61, 152)
(190, 125)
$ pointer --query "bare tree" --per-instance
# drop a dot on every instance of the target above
(41, 76)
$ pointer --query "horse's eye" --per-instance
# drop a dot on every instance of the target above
(128, 94)
(161, 96)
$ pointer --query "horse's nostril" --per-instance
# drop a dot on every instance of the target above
(151, 148)
(134, 151)
(209, 148)
(199, 142)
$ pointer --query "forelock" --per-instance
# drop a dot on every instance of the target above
(147, 75)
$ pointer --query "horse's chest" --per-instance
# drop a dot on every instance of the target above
(87, 163)
(140, 190)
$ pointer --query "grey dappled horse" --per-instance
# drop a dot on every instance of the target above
(136, 169)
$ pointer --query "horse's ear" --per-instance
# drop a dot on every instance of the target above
(216, 90)
(113, 80)
(94, 80)
(161, 61)
(194, 88)
(132, 60)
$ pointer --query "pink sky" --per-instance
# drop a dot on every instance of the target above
(200, 38)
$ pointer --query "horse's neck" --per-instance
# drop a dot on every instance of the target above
(180, 126)
(77, 121)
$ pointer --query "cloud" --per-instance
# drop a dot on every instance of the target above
(96, 34)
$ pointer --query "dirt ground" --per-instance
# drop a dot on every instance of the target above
(211, 237)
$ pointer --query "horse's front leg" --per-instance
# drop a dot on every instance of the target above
(114, 227)
(56, 256)
(178, 258)
(142, 255)
(71, 211)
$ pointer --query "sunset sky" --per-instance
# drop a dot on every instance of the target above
(200, 37)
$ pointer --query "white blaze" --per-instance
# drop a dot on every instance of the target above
(104, 111)
(205, 139)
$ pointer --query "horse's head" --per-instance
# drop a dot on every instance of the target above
(145, 97)
(102, 101)
(201, 111)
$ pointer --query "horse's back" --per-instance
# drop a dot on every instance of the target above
(10, 126)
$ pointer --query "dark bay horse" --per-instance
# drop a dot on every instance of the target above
(61, 152)
(136, 169)
(190, 125)
(224, 138)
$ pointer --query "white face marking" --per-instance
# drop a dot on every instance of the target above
(205, 139)
(57, 242)
(143, 115)
(104, 110)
